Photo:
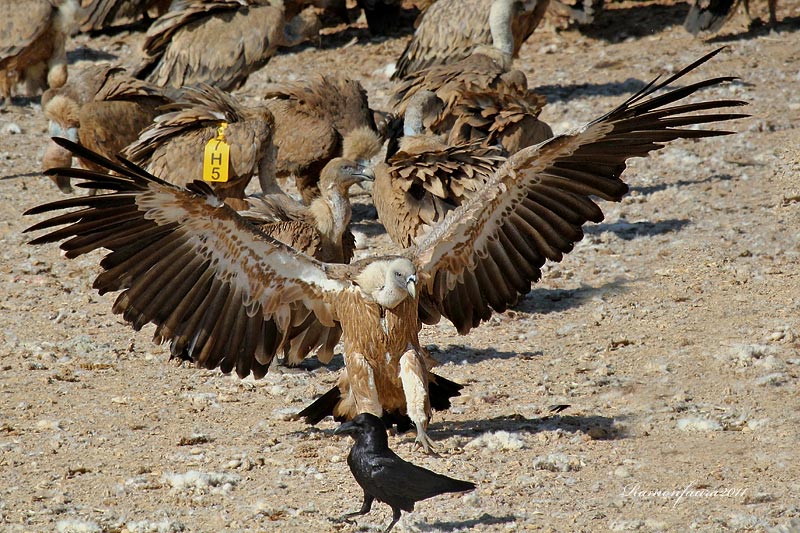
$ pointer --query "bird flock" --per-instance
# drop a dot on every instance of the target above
(474, 189)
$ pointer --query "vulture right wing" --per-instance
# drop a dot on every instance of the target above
(486, 254)
(223, 294)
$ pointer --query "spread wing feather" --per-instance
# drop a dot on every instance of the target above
(222, 293)
(486, 254)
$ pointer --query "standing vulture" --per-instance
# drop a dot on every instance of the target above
(483, 99)
(103, 108)
(219, 42)
(174, 145)
(710, 15)
(225, 294)
(449, 30)
(33, 35)
(316, 120)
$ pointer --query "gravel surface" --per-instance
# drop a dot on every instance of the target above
(672, 331)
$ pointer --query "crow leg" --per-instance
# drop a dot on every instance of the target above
(365, 507)
(773, 20)
(396, 512)
(414, 376)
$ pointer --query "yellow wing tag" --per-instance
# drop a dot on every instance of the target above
(216, 157)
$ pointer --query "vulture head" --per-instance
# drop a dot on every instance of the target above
(389, 281)
(340, 173)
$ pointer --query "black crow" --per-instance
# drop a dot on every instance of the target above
(385, 476)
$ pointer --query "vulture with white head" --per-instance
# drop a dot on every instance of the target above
(449, 30)
(226, 295)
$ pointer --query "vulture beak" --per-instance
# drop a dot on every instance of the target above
(411, 286)
(364, 173)
(347, 428)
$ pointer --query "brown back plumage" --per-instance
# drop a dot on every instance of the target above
(218, 42)
(172, 146)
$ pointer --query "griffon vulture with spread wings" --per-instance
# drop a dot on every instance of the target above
(226, 295)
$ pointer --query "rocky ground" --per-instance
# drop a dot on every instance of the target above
(672, 331)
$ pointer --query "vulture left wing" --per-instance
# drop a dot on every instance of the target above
(222, 293)
(486, 254)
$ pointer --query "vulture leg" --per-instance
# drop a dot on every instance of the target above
(362, 391)
(414, 376)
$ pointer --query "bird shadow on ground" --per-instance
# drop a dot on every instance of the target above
(640, 21)
(598, 427)
(457, 354)
(757, 29)
(541, 301)
(631, 230)
(484, 520)
(563, 93)
(646, 190)
(83, 53)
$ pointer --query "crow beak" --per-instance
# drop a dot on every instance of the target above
(411, 286)
(347, 428)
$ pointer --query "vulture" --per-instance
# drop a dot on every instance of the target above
(321, 229)
(219, 42)
(103, 108)
(316, 120)
(176, 145)
(483, 98)
(449, 30)
(101, 14)
(226, 295)
(711, 15)
(425, 177)
(33, 35)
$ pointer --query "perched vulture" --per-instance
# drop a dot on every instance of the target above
(100, 14)
(225, 294)
(425, 178)
(321, 229)
(103, 108)
(33, 35)
(174, 145)
(450, 30)
(316, 120)
(219, 42)
(482, 97)
(711, 15)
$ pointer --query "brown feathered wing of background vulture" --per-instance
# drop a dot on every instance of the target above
(103, 108)
(219, 42)
(449, 30)
(33, 36)
(173, 145)
(225, 294)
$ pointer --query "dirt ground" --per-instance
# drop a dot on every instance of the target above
(672, 331)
